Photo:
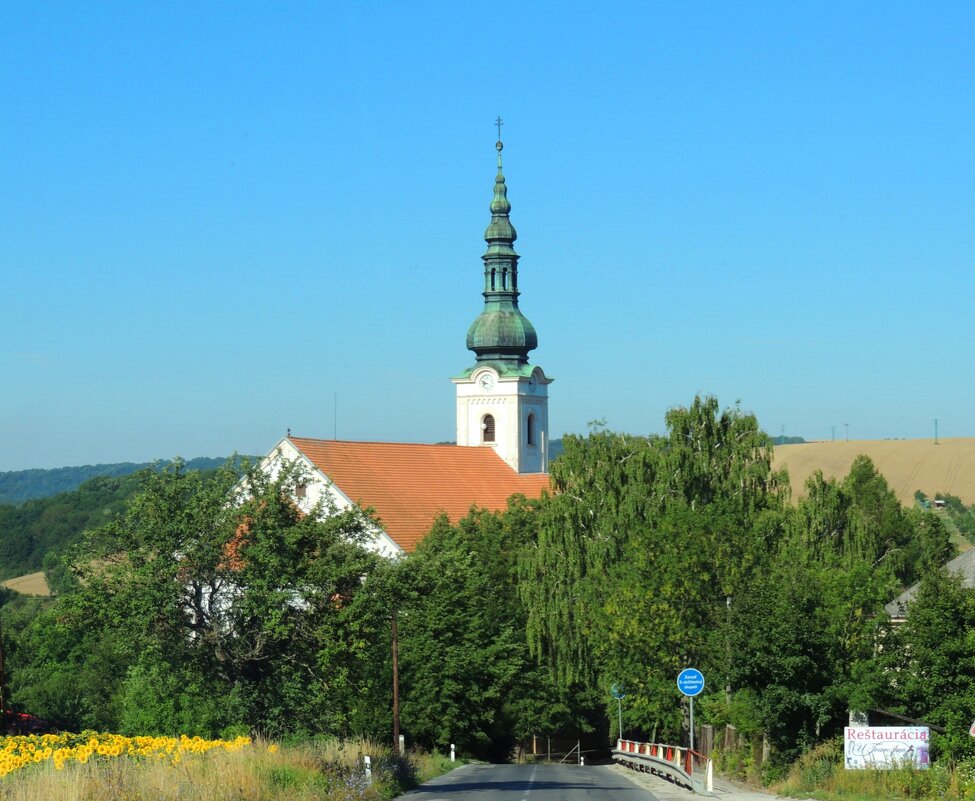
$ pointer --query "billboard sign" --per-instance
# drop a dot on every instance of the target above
(881, 747)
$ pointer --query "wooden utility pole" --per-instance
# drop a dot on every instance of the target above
(395, 683)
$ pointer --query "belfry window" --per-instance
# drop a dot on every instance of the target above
(530, 429)
(494, 274)
(487, 428)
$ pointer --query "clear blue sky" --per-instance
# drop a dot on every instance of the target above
(216, 217)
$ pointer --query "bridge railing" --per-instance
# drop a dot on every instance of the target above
(681, 765)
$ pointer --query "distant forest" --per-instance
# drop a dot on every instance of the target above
(36, 533)
(25, 485)
(783, 440)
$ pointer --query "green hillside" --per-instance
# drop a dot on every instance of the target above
(17, 486)
(45, 527)
(35, 533)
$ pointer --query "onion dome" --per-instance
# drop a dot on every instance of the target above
(501, 333)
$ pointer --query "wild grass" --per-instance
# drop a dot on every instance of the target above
(820, 774)
(318, 770)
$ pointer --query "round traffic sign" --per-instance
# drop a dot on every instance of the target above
(618, 691)
(690, 681)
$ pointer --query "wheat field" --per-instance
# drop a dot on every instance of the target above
(31, 584)
(907, 464)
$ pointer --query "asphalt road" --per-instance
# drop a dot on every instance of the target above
(531, 783)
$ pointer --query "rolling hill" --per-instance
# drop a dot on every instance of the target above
(18, 486)
(907, 464)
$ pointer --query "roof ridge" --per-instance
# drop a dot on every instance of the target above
(379, 442)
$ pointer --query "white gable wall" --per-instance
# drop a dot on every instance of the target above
(320, 488)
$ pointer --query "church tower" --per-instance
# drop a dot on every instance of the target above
(502, 401)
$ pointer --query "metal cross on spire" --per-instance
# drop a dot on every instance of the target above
(499, 122)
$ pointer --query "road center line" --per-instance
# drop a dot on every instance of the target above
(531, 781)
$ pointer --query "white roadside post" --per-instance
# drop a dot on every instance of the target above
(368, 763)
(402, 744)
(453, 753)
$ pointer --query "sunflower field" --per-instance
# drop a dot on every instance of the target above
(94, 766)
(17, 752)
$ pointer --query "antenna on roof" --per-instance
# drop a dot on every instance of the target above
(288, 435)
(335, 416)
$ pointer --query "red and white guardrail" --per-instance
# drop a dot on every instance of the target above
(681, 765)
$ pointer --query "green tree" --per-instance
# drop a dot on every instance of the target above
(467, 676)
(636, 555)
(926, 666)
(208, 603)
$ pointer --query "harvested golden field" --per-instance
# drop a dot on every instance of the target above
(907, 464)
(31, 584)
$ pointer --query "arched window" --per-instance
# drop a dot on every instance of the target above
(487, 428)
(530, 429)
(504, 278)
(493, 274)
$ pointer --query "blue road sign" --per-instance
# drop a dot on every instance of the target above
(618, 691)
(690, 682)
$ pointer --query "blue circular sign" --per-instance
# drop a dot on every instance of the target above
(690, 682)
(618, 691)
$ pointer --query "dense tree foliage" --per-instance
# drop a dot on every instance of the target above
(640, 548)
(925, 667)
(203, 607)
(208, 603)
(468, 677)
(962, 516)
(659, 553)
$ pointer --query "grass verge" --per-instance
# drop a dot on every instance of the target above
(316, 770)
(820, 774)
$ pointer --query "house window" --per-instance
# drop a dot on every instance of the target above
(301, 491)
(530, 429)
(487, 428)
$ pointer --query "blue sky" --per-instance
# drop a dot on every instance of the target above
(215, 218)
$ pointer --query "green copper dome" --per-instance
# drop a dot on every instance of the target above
(501, 333)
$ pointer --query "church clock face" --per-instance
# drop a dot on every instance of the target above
(486, 382)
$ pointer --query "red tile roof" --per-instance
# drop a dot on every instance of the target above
(409, 485)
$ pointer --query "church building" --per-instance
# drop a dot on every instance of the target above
(502, 424)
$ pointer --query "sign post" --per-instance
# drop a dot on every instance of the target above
(619, 693)
(691, 683)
